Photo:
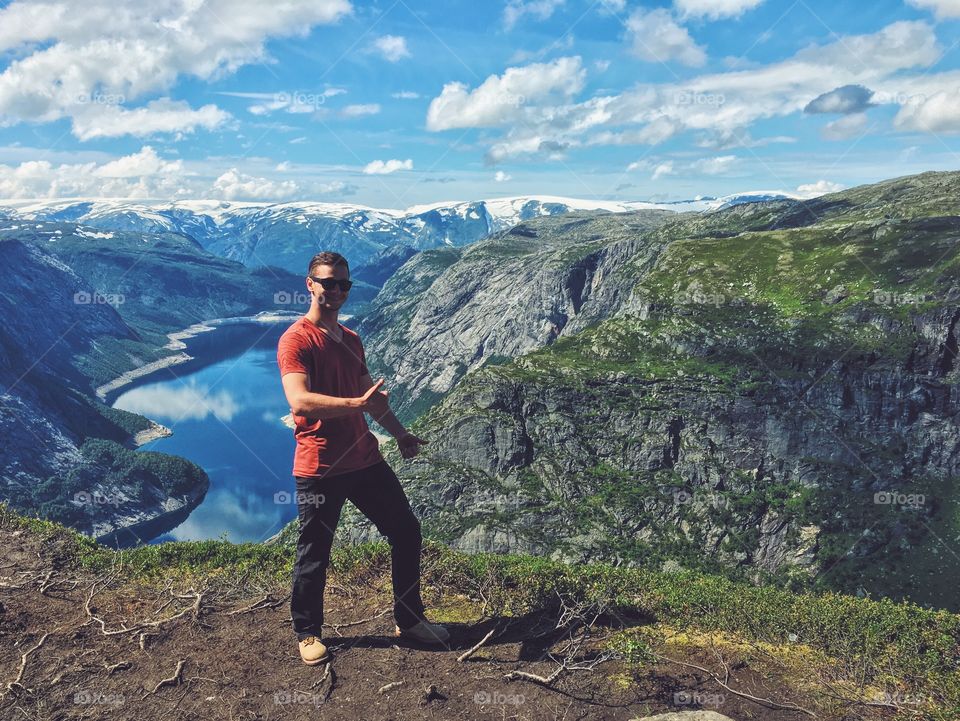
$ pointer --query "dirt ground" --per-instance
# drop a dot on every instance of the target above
(64, 654)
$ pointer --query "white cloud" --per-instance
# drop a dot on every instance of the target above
(193, 402)
(501, 177)
(145, 174)
(662, 169)
(405, 95)
(385, 167)
(391, 47)
(714, 9)
(849, 126)
(157, 116)
(234, 185)
(938, 113)
(93, 62)
(811, 190)
(336, 187)
(355, 111)
(539, 9)
(140, 175)
(655, 36)
(502, 98)
(144, 162)
(703, 166)
(715, 166)
(526, 145)
(718, 107)
(941, 8)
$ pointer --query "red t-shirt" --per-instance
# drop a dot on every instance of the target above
(329, 446)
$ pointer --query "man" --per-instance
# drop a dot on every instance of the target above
(325, 379)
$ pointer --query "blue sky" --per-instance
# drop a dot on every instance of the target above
(391, 104)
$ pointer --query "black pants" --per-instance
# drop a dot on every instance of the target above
(377, 493)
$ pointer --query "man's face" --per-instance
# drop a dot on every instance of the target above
(335, 297)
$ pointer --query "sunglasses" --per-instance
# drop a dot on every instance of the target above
(331, 283)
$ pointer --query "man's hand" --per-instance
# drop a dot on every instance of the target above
(374, 401)
(409, 444)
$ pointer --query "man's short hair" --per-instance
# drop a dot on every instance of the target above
(327, 257)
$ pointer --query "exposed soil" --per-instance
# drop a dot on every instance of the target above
(233, 655)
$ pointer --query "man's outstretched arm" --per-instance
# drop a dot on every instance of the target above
(316, 405)
(388, 420)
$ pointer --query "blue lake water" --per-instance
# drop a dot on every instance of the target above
(225, 409)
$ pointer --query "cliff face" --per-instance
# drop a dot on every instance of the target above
(63, 455)
(449, 311)
(769, 390)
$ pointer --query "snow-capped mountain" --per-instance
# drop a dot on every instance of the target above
(286, 234)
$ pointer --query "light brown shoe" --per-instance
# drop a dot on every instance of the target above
(312, 651)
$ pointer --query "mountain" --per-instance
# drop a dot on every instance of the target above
(160, 282)
(449, 311)
(82, 306)
(63, 454)
(287, 234)
(765, 390)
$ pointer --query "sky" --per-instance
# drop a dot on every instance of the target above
(403, 102)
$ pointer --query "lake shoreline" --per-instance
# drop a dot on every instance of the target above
(109, 391)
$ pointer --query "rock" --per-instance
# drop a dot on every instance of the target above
(835, 295)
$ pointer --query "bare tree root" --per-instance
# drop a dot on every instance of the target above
(266, 602)
(15, 684)
(469, 652)
(194, 608)
(337, 626)
(172, 681)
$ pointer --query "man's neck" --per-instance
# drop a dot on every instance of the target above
(327, 321)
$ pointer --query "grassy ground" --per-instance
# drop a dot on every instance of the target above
(82, 626)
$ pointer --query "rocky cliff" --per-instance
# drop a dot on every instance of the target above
(767, 391)
(451, 310)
